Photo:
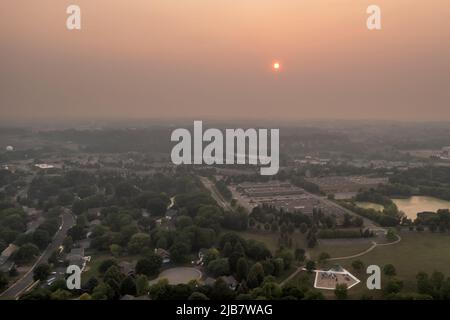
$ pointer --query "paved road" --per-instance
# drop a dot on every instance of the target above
(215, 194)
(68, 221)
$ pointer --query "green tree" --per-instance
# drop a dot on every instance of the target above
(125, 190)
(310, 266)
(38, 294)
(91, 284)
(358, 265)
(274, 226)
(219, 267)
(138, 243)
(106, 264)
(303, 228)
(314, 295)
(391, 235)
(115, 250)
(255, 275)
(103, 292)
(128, 286)
(142, 285)
(85, 296)
(13, 272)
(41, 238)
(270, 289)
(77, 232)
(179, 252)
(198, 296)
(68, 244)
(41, 272)
(300, 254)
(293, 291)
(227, 250)
(341, 291)
(113, 278)
(26, 253)
(184, 222)
(221, 291)
(149, 265)
(389, 270)
(393, 286)
(160, 290)
(242, 269)
(323, 257)
(162, 243)
(312, 241)
(3, 281)
(287, 256)
(278, 266)
(210, 255)
(61, 294)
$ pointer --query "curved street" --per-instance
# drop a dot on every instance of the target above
(19, 287)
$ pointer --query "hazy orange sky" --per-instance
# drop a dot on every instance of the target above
(212, 59)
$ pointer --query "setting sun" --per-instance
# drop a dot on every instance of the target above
(276, 66)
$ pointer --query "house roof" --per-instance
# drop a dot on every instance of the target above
(94, 210)
(76, 256)
(230, 280)
(9, 251)
(95, 222)
(75, 260)
(127, 267)
(6, 266)
(163, 253)
(85, 243)
(77, 251)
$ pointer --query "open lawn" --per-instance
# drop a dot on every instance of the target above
(340, 247)
(271, 238)
(416, 252)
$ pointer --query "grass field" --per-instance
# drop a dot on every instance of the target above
(271, 238)
(416, 252)
(339, 248)
(334, 247)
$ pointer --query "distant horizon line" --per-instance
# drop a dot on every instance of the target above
(14, 121)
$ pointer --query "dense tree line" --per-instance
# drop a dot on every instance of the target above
(429, 180)
(223, 189)
(384, 220)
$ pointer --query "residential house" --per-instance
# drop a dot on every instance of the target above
(164, 254)
(127, 267)
(6, 254)
(231, 282)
